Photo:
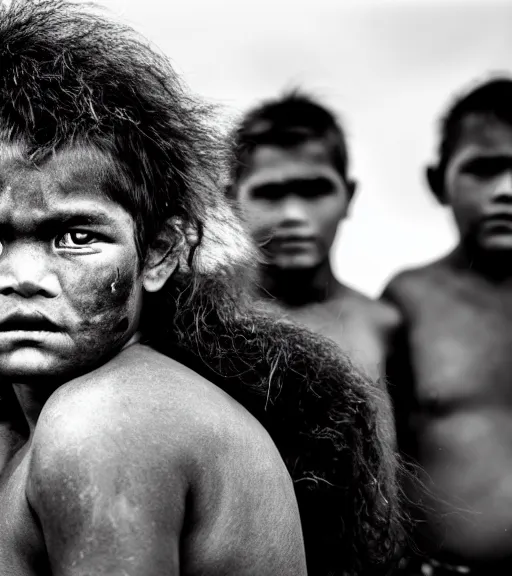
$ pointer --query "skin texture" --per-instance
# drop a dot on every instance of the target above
(360, 326)
(68, 255)
(451, 370)
(135, 464)
(295, 193)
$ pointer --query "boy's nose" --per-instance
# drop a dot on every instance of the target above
(24, 271)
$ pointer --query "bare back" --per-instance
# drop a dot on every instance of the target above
(145, 458)
(451, 374)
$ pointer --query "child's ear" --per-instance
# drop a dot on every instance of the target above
(435, 179)
(164, 255)
(351, 189)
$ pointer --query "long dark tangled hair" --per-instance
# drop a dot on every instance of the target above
(70, 76)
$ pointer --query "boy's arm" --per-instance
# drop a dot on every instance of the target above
(106, 503)
(110, 488)
(399, 370)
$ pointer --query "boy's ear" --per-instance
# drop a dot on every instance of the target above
(435, 179)
(164, 254)
(351, 188)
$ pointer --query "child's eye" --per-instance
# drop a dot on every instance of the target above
(75, 238)
(487, 167)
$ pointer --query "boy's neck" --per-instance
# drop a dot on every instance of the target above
(298, 287)
(494, 265)
(32, 398)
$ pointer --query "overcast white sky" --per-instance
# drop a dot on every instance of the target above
(387, 67)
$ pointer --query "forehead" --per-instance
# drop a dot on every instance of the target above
(62, 163)
(68, 173)
(68, 182)
(276, 164)
(483, 134)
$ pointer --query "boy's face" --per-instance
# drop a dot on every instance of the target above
(293, 200)
(478, 183)
(70, 284)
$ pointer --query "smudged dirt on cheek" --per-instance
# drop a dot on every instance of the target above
(105, 302)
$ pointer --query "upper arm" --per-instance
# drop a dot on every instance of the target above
(399, 364)
(397, 357)
(248, 519)
(280, 545)
(106, 502)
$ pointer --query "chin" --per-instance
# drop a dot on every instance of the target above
(492, 238)
(296, 263)
(497, 246)
(30, 364)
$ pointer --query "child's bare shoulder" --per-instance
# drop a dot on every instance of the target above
(413, 284)
(380, 313)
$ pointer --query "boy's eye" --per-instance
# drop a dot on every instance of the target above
(269, 192)
(75, 238)
(314, 188)
(304, 188)
(487, 167)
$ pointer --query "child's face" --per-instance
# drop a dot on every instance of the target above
(478, 182)
(70, 287)
(293, 200)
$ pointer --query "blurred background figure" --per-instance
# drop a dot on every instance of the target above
(290, 178)
(451, 368)
(390, 64)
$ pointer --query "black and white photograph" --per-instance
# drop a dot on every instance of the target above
(256, 288)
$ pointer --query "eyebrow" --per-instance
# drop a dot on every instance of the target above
(73, 217)
(47, 224)
(498, 158)
(492, 156)
(278, 185)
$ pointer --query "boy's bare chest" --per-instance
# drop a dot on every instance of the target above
(461, 347)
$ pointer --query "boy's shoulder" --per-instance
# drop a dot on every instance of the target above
(130, 442)
(141, 380)
(414, 283)
(380, 313)
(143, 406)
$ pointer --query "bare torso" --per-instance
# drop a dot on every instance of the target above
(455, 407)
(149, 447)
(359, 325)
